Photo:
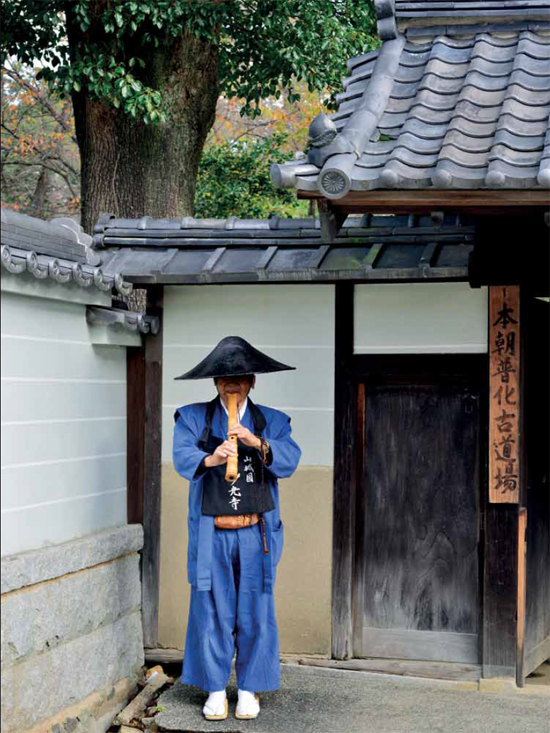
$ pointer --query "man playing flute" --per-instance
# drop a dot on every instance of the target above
(235, 529)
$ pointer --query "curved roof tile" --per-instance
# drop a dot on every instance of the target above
(58, 250)
(467, 104)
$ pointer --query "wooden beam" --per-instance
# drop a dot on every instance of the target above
(426, 201)
(321, 254)
(310, 274)
(373, 256)
(511, 250)
(428, 255)
(332, 219)
(214, 258)
(345, 418)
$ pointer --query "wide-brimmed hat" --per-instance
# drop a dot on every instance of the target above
(233, 357)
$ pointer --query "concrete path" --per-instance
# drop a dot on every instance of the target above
(316, 700)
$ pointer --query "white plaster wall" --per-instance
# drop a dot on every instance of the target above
(63, 422)
(292, 323)
(416, 318)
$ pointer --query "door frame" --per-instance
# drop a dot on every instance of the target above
(351, 370)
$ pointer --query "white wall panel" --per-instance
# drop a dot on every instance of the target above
(61, 440)
(27, 316)
(299, 315)
(292, 323)
(63, 425)
(50, 359)
(28, 484)
(62, 399)
(415, 318)
(51, 522)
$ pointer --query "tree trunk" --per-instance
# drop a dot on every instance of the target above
(38, 201)
(133, 169)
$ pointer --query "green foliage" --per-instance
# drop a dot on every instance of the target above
(234, 181)
(264, 45)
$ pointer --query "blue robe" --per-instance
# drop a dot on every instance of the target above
(231, 577)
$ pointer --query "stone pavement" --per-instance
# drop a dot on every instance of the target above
(317, 700)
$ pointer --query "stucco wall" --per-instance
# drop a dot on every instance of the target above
(294, 324)
(420, 318)
(302, 588)
(63, 415)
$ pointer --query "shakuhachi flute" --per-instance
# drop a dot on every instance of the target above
(231, 471)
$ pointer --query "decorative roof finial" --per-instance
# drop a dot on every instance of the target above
(322, 131)
(385, 12)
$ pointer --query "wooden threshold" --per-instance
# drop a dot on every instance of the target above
(401, 667)
(441, 646)
(406, 202)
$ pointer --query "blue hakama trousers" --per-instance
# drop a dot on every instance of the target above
(235, 616)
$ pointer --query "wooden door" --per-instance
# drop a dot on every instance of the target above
(417, 577)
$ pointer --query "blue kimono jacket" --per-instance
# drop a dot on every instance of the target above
(189, 424)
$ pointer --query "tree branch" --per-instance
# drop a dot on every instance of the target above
(58, 117)
(43, 155)
(62, 174)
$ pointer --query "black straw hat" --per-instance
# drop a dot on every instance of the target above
(232, 357)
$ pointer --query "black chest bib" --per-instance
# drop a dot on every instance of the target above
(246, 495)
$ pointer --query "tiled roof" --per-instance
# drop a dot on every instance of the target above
(201, 251)
(118, 318)
(58, 250)
(458, 106)
(417, 13)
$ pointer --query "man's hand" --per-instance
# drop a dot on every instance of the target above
(220, 455)
(246, 436)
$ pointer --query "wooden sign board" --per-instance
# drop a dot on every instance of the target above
(504, 407)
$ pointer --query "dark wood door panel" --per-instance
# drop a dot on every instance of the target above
(421, 520)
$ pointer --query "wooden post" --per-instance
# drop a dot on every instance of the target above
(500, 591)
(135, 433)
(504, 568)
(520, 662)
(358, 568)
(535, 325)
(144, 448)
(345, 406)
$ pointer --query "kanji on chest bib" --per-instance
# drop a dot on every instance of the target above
(248, 493)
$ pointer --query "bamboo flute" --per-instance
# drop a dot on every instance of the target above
(232, 461)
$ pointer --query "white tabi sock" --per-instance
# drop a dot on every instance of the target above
(248, 703)
(215, 705)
